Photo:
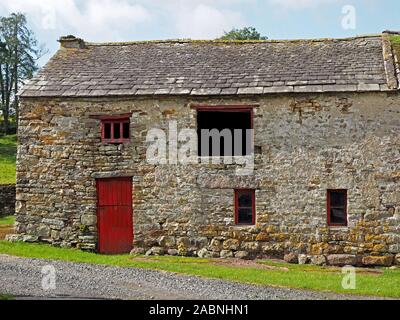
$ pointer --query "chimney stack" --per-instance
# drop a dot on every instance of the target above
(72, 42)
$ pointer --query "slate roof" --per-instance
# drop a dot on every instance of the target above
(217, 68)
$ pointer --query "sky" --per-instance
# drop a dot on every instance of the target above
(129, 20)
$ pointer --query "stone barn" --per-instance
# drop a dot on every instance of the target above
(315, 179)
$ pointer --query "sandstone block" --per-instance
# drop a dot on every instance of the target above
(30, 238)
(204, 253)
(250, 246)
(43, 231)
(14, 237)
(155, 251)
(199, 242)
(231, 244)
(341, 259)
(303, 259)
(291, 258)
(166, 241)
(244, 255)
(215, 245)
(89, 220)
(394, 248)
(172, 252)
(397, 259)
(226, 254)
(319, 260)
(384, 261)
(137, 251)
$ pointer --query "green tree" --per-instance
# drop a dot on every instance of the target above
(246, 33)
(19, 52)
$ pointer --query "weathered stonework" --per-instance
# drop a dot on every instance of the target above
(7, 199)
(307, 144)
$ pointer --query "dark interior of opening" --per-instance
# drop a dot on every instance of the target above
(221, 120)
(245, 207)
(117, 130)
(338, 207)
(107, 131)
(125, 130)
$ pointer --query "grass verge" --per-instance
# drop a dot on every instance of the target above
(8, 151)
(7, 220)
(385, 283)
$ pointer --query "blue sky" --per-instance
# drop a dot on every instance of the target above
(124, 20)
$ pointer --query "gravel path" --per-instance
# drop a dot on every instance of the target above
(22, 277)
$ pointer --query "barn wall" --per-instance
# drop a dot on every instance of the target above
(306, 143)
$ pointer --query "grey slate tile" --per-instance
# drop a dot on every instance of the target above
(212, 68)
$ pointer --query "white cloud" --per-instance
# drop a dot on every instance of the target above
(115, 20)
(205, 22)
(300, 4)
(124, 20)
(92, 19)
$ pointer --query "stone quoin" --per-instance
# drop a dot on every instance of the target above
(326, 121)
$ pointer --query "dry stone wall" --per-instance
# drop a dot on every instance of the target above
(305, 145)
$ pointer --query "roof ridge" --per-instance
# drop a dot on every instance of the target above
(389, 58)
(183, 41)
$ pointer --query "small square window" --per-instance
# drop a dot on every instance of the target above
(115, 130)
(337, 208)
(245, 213)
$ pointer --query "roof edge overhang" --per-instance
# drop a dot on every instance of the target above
(148, 95)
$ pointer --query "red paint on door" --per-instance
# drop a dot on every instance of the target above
(114, 215)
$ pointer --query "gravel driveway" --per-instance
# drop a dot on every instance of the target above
(22, 277)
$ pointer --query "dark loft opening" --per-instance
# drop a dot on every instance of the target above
(238, 144)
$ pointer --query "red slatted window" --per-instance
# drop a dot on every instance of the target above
(115, 130)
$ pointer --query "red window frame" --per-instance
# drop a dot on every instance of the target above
(328, 207)
(112, 121)
(253, 196)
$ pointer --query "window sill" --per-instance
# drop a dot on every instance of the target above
(223, 157)
(338, 228)
(105, 142)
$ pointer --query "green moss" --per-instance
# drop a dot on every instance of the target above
(395, 40)
(172, 41)
(83, 228)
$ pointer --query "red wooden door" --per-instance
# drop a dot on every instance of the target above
(114, 215)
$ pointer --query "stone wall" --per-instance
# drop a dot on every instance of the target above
(306, 144)
(7, 199)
